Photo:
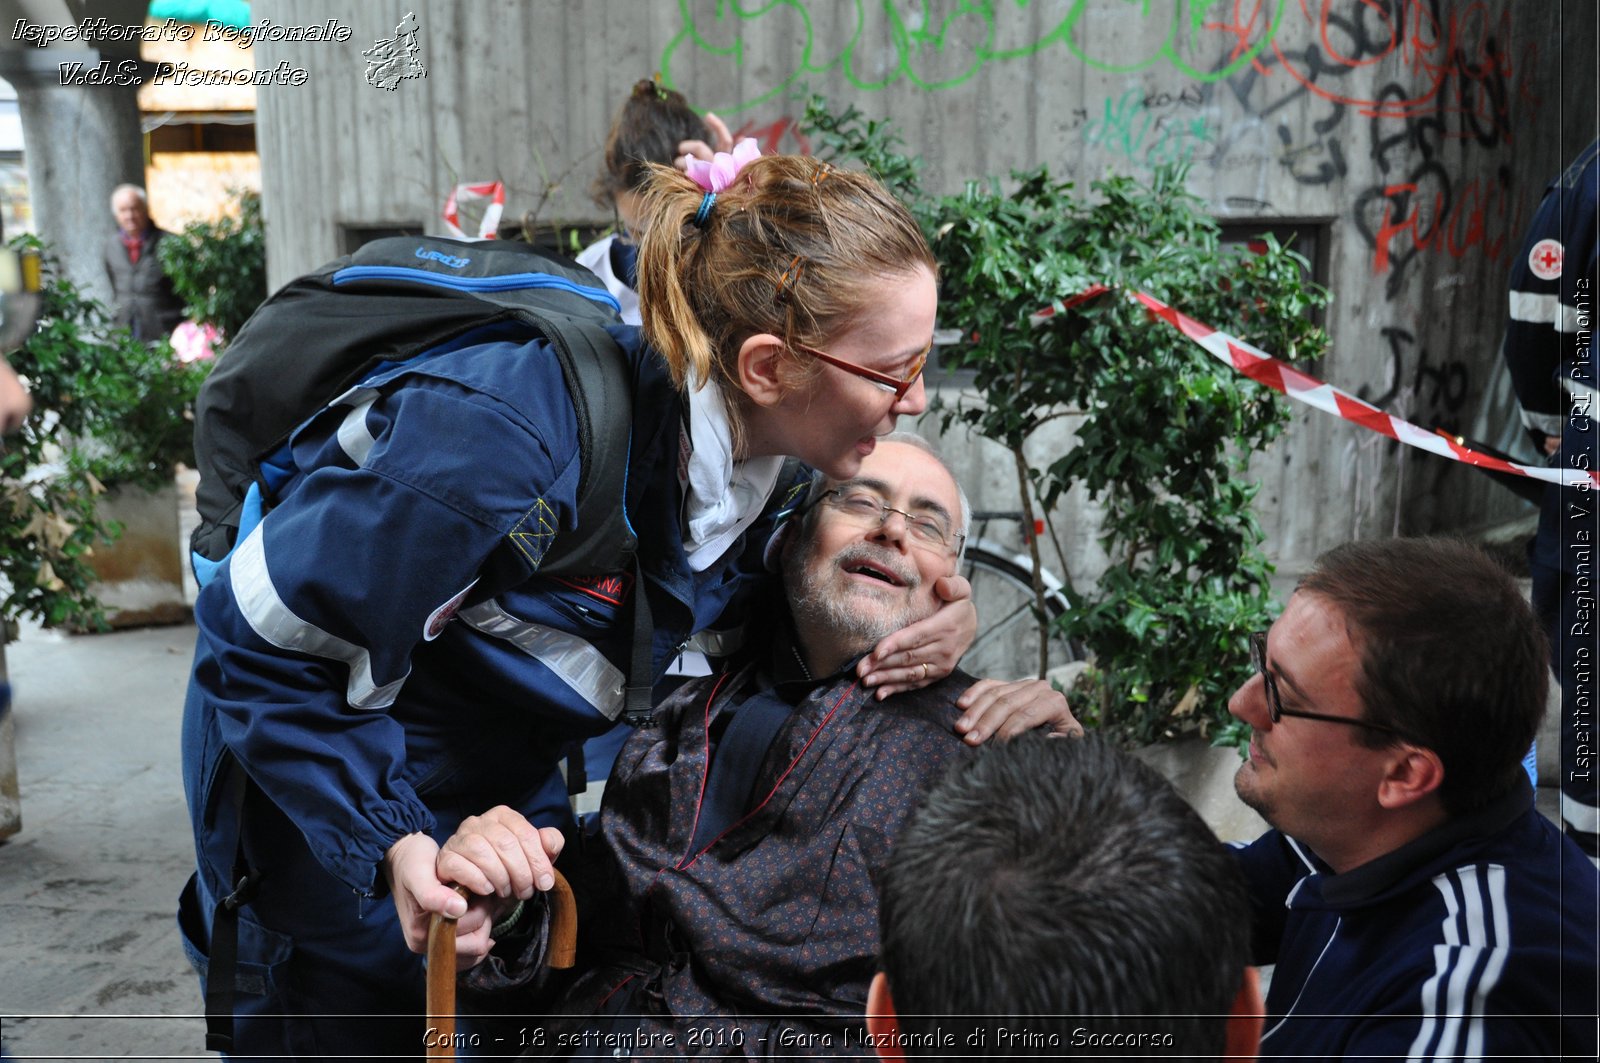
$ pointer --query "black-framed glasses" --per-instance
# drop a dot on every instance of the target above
(897, 385)
(1275, 709)
(867, 510)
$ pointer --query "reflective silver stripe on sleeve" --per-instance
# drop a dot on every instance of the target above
(578, 664)
(275, 622)
(354, 437)
(1550, 424)
(1533, 307)
(1568, 318)
(718, 643)
(1544, 309)
(1584, 396)
(1580, 816)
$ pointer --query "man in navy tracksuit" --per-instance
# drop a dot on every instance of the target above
(1415, 903)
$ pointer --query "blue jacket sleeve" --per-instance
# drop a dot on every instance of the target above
(1552, 280)
(312, 628)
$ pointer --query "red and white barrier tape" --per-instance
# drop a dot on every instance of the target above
(493, 191)
(1280, 376)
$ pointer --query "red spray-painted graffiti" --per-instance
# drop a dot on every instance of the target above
(1475, 214)
(1455, 60)
(772, 136)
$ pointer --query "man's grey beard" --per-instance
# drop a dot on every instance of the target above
(815, 609)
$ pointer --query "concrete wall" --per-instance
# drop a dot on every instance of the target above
(81, 140)
(1420, 133)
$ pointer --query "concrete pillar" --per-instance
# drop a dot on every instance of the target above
(81, 142)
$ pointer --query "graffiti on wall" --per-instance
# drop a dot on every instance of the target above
(1438, 128)
(941, 44)
(1446, 58)
(1421, 205)
(1300, 72)
(1152, 128)
(1453, 61)
(1455, 87)
(779, 137)
(1429, 97)
(1452, 77)
(1437, 387)
(1432, 213)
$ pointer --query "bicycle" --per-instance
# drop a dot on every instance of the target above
(1007, 646)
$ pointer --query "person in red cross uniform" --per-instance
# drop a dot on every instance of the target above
(1549, 352)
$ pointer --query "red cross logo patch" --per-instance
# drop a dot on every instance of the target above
(1545, 259)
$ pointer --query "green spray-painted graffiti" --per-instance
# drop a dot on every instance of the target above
(1152, 130)
(939, 44)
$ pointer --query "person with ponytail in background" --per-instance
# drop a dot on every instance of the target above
(346, 668)
(655, 125)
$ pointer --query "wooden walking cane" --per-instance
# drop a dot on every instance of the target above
(561, 955)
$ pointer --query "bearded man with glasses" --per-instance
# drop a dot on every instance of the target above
(729, 904)
(1414, 901)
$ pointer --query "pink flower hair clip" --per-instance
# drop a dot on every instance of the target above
(719, 173)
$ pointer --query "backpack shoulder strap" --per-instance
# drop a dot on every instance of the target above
(599, 377)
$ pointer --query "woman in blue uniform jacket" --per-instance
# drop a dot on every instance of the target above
(372, 702)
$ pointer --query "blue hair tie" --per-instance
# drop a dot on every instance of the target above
(704, 212)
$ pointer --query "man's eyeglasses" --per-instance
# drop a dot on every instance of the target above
(1258, 659)
(867, 510)
(898, 385)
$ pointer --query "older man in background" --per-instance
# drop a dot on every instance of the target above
(141, 293)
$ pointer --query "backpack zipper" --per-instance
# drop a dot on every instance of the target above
(509, 282)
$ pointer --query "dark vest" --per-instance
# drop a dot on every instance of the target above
(141, 294)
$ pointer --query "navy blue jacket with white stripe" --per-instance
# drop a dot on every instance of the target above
(1552, 302)
(1476, 940)
(340, 659)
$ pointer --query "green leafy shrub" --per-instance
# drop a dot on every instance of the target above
(1165, 431)
(219, 268)
(107, 410)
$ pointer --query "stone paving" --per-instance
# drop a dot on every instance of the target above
(89, 886)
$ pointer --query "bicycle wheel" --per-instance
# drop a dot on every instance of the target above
(1007, 646)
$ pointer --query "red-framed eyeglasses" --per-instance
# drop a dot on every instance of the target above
(897, 385)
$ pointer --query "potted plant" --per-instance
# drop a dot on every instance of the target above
(109, 420)
(1162, 433)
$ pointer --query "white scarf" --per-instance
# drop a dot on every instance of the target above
(721, 497)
